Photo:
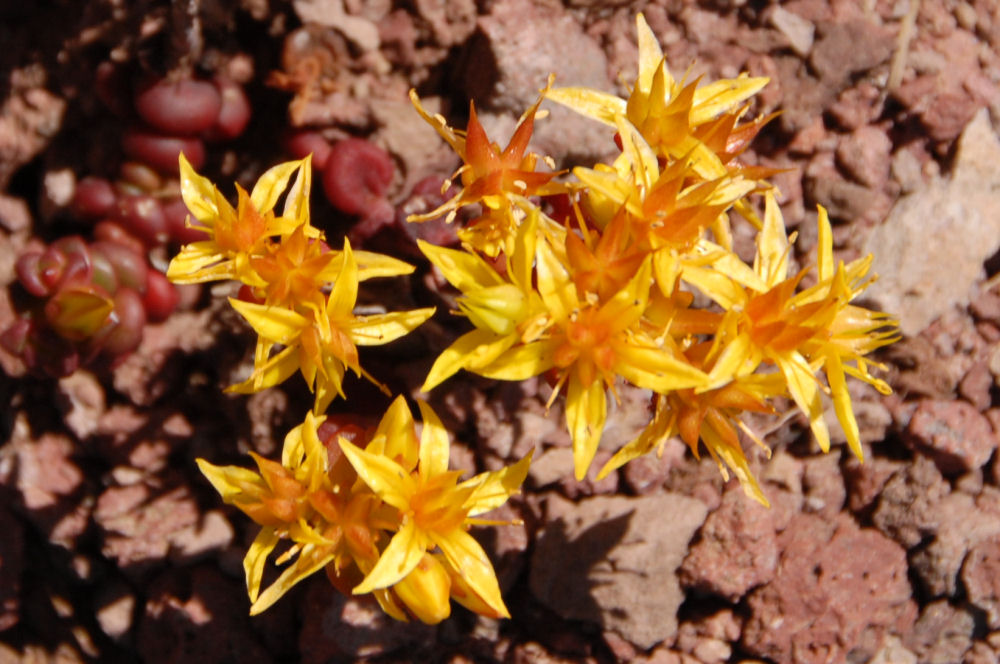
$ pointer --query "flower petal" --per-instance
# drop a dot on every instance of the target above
(495, 487)
(380, 329)
(521, 362)
(486, 345)
(256, 558)
(594, 104)
(198, 192)
(466, 557)
(404, 552)
(277, 324)
(463, 270)
(272, 184)
(804, 389)
(309, 560)
(230, 481)
(433, 443)
(834, 370)
(385, 477)
(586, 411)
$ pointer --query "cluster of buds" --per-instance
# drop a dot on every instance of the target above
(379, 510)
(80, 301)
(603, 291)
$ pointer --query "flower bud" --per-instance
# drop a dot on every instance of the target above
(426, 591)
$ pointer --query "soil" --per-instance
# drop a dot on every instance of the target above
(116, 548)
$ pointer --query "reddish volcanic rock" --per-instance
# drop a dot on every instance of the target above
(587, 561)
(142, 523)
(736, 549)
(836, 585)
(907, 510)
(942, 635)
(864, 155)
(953, 433)
(823, 485)
(865, 481)
(11, 567)
(981, 577)
(964, 521)
(975, 386)
(337, 628)
(197, 617)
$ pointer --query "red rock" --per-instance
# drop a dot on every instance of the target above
(953, 433)
(865, 481)
(945, 100)
(964, 521)
(336, 628)
(981, 578)
(115, 609)
(823, 485)
(15, 215)
(535, 653)
(836, 585)
(865, 155)
(975, 386)
(986, 306)
(736, 549)
(506, 544)
(522, 43)
(45, 471)
(941, 635)
(648, 473)
(584, 562)
(142, 524)
(809, 138)
(848, 48)
(907, 509)
(709, 638)
(30, 117)
(197, 616)
(842, 199)
(622, 650)
(11, 568)
(804, 96)
(149, 372)
(857, 106)
(981, 652)
(86, 402)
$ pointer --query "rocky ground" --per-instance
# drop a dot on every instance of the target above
(115, 548)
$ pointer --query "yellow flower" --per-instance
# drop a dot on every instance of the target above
(799, 332)
(303, 500)
(667, 212)
(524, 331)
(322, 345)
(490, 176)
(665, 111)
(236, 234)
(711, 417)
(505, 309)
(436, 510)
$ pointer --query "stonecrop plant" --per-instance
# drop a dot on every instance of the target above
(378, 510)
(588, 279)
(605, 295)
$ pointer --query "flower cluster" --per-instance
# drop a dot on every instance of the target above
(388, 519)
(378, 510)
(600, 289)
(286, 269)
